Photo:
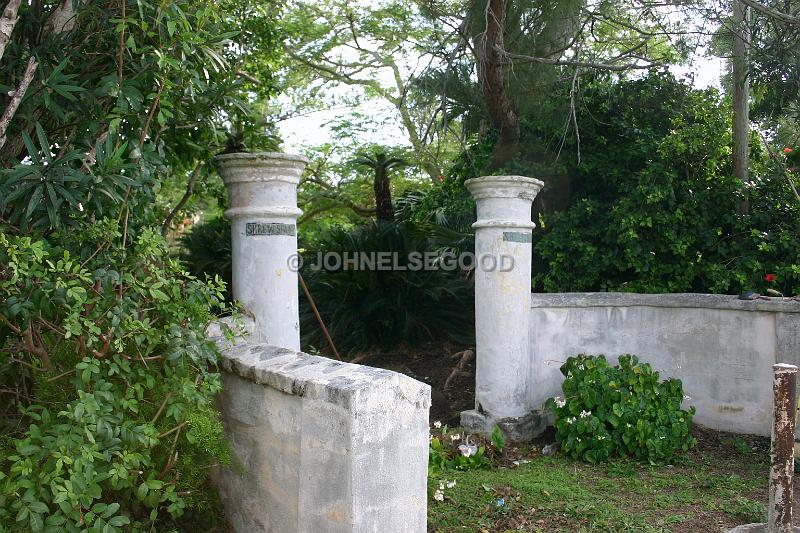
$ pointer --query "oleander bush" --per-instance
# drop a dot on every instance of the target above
(620, 410)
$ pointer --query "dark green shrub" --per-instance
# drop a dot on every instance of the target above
(373, 308)
(207, 250)
(620, 410)
(655, 206)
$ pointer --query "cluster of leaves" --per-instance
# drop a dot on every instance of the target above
(108, 380)
(127, 97)
(620, 410)
(655, 206)
(450, 450)
(367, 308)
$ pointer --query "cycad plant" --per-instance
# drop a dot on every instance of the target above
(375, 308)
(381, 165)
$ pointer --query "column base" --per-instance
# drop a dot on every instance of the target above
(518, 429)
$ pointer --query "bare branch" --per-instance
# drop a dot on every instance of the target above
(185, 198)
(7, 22)
(24, 83)
(584, 64)
(784, 18)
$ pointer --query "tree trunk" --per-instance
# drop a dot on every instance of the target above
(489, 48)
(383, 193)
(741, 90)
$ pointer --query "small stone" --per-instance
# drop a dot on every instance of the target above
(550, 449)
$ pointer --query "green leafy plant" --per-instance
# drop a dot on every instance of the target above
(620, 410)
(368, 308)
(452, 450)
(107, 365)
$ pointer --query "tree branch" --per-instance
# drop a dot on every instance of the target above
(582, 64)
(185, 198)
(27, 78)
(784, 18)
(7, 22)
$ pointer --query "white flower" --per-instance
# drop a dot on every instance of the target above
(571, 420)
(628, 425)
(437, 424)
(441, 485)
(468, 449)
(438, 496)
(451, 484)
(601, 437)
(80, 207)
(560, 402)
(455, 437)
(586, 414)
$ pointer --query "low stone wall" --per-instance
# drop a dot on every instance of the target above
(321, 445)
(722, 348)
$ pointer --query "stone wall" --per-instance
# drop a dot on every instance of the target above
(722, 348)
(321, 445)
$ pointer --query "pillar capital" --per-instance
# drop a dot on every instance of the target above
(504, 201)
(520, 187)
(261, 183)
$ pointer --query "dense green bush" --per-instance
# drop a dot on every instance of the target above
(620, 410)
(655, 205)
(106, 363)
(374, 308)
(652, 205)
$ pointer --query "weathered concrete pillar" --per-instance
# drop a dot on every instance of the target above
(262, 191)
(502, 306)
(781, 475)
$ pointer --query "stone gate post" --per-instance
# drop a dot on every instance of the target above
(503, 236)
(262, 190)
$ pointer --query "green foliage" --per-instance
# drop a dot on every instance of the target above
(207, 250)
(382, 308)
(115, 379)
(655, 206)
(450, 450)
(620, 410)
(125, 97)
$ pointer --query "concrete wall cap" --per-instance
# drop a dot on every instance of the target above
(504, 187)
(626, 299)
(302, 374)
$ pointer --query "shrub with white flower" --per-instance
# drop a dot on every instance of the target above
(620, 410)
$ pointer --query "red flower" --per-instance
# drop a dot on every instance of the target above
(441, 177)
(787, 151)
(770, 277)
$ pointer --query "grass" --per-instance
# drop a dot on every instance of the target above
(721, 483)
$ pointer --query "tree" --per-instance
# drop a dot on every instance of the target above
(379, 51)
(381, 165)
(549, 44)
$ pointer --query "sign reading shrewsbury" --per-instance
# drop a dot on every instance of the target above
(515, 236)
(252, 229)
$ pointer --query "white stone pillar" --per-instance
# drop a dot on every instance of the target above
(262, 192)
(503, 236)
